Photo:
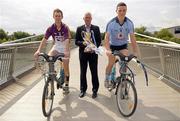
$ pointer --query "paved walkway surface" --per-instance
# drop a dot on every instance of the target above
(21, 101)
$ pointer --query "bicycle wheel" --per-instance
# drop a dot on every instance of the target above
(48, 97)
(126, 98)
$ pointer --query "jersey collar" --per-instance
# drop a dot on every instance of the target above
(125, 19)
(62, 25)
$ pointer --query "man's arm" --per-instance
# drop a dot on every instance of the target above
(69, 38)
(42, 44)
(78, 38)
(134, 44)
(106, 41)
(68, 42)
(106, 44)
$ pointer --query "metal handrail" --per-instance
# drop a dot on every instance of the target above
(21, 40)
(16, 58)
(163, 59)
(17, 44)
(157, 39)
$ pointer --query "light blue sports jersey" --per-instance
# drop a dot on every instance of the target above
(119, 33)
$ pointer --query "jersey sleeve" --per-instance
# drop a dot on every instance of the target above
(108, 29)
(48, 33)
(66, 33)
(131, 27)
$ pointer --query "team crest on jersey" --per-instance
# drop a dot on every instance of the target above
(59, 38)
(120, 36)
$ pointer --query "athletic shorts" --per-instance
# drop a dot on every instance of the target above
(121, 47)
(58, 49)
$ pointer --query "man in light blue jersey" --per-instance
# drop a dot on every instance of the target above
(118, 32)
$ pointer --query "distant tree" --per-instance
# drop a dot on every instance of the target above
(3, 40)
(73, 34)
(140, 30)
(143, 30)
(39, 38)
(174, 39)
(3, 36)
(20, 34)
(163, 34)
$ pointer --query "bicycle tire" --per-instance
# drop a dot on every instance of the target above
(48, 94)
(122, 102)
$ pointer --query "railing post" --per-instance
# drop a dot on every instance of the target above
(12, 63)
(162, 60)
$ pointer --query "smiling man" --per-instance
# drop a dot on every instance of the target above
(61, 36)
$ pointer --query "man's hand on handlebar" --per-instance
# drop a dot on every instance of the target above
(36, 54)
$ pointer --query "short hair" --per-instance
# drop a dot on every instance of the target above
(58, 11)
(87, 13)
(120, 4)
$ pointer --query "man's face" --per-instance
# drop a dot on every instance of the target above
(121, 11)
(87, 19)
(57, 17)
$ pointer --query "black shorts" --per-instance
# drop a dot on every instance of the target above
(113, 48)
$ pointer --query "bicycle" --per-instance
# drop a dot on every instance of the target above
(49, 77)
(126, 94)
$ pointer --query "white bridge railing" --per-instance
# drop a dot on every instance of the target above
(16, 58)
(161, 58)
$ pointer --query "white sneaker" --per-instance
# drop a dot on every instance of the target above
(106, 84)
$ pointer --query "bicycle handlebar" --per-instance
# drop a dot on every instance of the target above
(51, 58)
(129, 58)
(123, 57)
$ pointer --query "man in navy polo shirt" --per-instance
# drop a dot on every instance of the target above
(61, 36)
(118, 31)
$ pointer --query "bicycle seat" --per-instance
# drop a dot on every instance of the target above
(123, 57)
(52, 58)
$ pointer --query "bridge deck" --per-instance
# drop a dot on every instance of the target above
(21, 101)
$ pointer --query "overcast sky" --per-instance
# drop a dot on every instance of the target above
(34, 16)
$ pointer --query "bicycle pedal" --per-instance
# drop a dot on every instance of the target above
(109, 89)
